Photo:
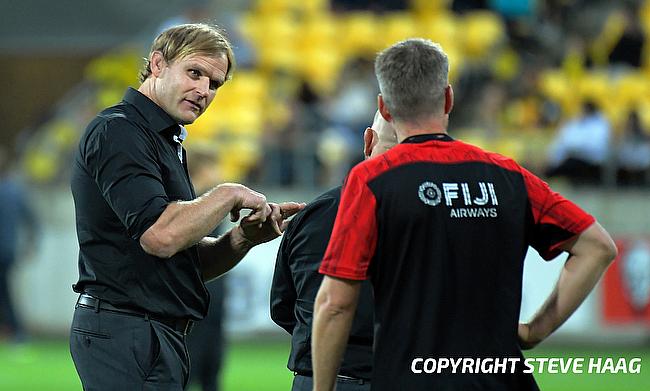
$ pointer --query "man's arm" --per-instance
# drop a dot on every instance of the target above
(183, 224)
(334, 310)
(590, 253)
(222, 254)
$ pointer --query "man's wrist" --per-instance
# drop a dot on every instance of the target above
(230, 192)
(239, 241)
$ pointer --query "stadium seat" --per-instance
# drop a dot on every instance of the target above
(360, 30)
(441, 28)
(396, 26)
(480, 31)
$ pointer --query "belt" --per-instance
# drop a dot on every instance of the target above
(181, 325)
(339, 377)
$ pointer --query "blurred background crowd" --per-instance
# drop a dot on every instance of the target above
(559, 85)
(562, 86)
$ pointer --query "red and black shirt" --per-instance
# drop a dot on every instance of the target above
(441, 228)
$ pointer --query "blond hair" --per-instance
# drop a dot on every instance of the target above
(189, 39)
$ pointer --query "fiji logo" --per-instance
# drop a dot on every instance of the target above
(429, 193)
(479, 200)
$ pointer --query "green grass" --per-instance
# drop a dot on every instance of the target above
(260, 365)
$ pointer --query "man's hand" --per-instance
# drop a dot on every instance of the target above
(245, 198)
(527, 340)
(256, 231)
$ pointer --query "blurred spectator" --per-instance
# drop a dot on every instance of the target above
(581, 147)
(628, 51)
(348, 110)
(206, 344)
(15, 214)
(633, 153)
(290, 148)
(368, 5)
(461, 6)
(513, 9)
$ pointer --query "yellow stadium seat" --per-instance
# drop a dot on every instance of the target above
(118, 67)
(275, 39)
(321, 67)
(506, 65)
(596, 87)
(429, 6)
(441, 28)
(559, 88)
(318, 30)
(396, 26)
(250, 85)
(605, 42)
(359, 32)
(480, 31)
(274, 6)
(632, 88)
(314, 6)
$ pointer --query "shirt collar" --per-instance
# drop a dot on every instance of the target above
(421, 138)
(180, 136)
(157, 119)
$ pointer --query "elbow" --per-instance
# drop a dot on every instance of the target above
(158, 244)
(611, 251)
(607, 250)
(336, 305)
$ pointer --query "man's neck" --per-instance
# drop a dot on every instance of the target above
(146, 88)
(405, 130)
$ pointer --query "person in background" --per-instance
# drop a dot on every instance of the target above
(581, 147)
(206, 343)
(15, 215)
(633, 154)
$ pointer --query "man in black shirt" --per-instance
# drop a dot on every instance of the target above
(441, 228)
(296, 281)
(144, 253)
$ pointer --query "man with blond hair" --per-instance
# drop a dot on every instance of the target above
(144, 250)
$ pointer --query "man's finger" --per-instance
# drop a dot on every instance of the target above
(234, 215)
(284, 225)
(276, 218)
(260, 212)
(289, 209)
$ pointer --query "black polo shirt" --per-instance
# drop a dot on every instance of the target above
(295, 284)
(126, 171)
(442, 228)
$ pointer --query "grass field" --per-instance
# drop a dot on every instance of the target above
(260, 366)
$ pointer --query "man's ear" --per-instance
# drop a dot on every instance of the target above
(383, 109)
(157, 63)
(449, 99)
(368, 137)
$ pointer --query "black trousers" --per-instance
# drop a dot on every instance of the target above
(113, 351)
(305, 383)
(8, 317)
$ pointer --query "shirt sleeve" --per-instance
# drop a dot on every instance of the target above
(354, 238)
(283, 292)
(123, 162)
(555, 220)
